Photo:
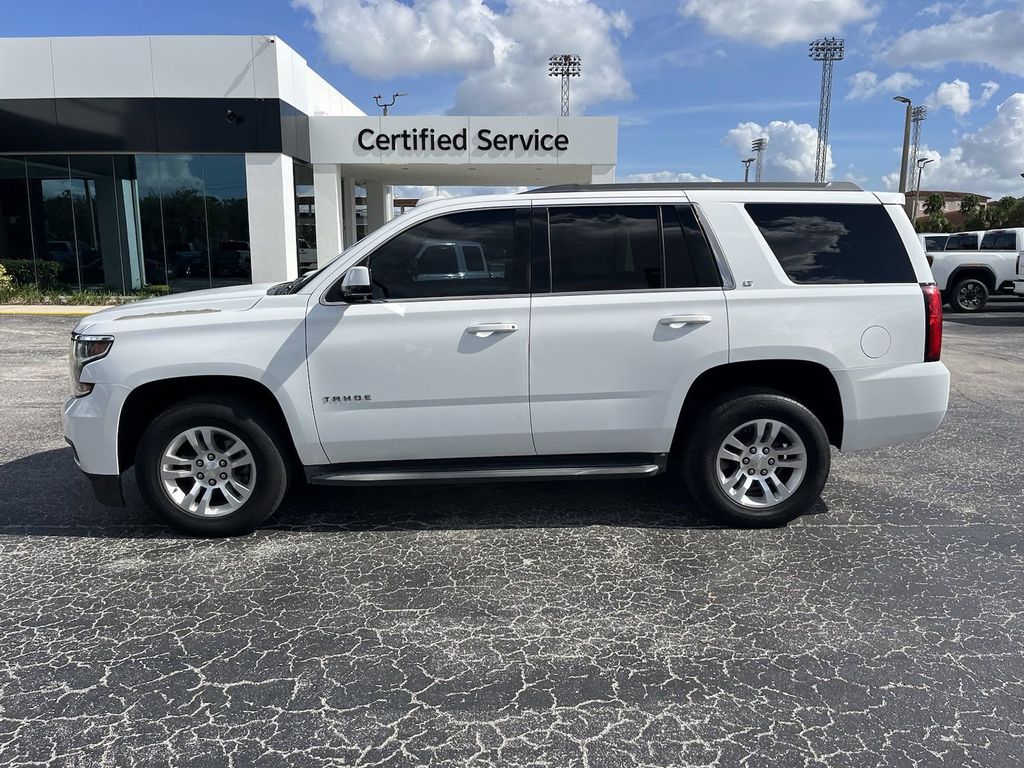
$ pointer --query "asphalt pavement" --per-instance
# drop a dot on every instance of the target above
(544, 624)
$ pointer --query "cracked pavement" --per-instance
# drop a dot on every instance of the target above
(550, 624)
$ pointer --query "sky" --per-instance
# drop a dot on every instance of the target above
(691, 81)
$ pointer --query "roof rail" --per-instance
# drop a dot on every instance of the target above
(782, 186)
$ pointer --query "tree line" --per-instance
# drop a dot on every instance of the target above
(1005, 212)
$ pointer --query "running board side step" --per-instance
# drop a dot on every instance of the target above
(417, 476)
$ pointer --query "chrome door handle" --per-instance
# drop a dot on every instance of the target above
(486, 329)
(678, 321)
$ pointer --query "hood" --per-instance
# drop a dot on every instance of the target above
(237, 298)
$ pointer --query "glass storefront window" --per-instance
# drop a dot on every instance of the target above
(15, 224)
(124, 222)
(227, 215)
(51, 207)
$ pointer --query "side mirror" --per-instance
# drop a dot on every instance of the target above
(356, 286)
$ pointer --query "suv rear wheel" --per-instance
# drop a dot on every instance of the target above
(757, 459)
(969, 295)
(212, 468)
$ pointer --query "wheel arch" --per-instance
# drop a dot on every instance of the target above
(146, 401)
(807, 382)
(980, 271)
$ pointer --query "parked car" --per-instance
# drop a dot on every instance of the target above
(968, 277)
(232, 258)
(726, 333)
(450, 260)
(307, 256)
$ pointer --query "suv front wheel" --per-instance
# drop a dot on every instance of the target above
(212, 468)
(757, 459)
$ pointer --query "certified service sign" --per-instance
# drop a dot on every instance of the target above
(470, 141)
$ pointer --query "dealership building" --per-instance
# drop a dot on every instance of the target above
(190, 162)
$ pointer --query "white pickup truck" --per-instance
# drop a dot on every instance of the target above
(974, 265)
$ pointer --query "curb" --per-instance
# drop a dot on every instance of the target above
(45, 310)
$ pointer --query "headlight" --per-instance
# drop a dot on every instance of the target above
(85, 349)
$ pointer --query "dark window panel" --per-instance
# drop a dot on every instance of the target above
(833, 242)
(407, 266)
(190, 125)
(51, 200)
(28, 125)
(183, 206)
(107, 125)
(151, 232)
(15, 223)
(605, 248)
(228, 219)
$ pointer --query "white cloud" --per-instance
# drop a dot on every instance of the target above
(993, 39)
(667, 177)
(866, 85)
(502, 54)
(988, 161)
(957, 96)
(771, 22)
(791, 153)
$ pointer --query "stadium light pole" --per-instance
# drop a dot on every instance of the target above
(905, 164)
(757, 146)
(827, 50)
(565, 66)
(746, 169)
(379, 101)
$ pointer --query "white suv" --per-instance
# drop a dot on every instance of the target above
(729, 332)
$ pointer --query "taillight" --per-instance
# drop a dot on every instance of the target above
(932, 322)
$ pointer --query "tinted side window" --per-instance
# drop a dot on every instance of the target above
(834, 243)
(935, 243)
(605, 248)
(689, 262)
(962, 243)
(422, 261)
(999, 241)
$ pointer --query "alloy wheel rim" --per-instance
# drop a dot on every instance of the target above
(207, 472)
(761, 463)
(970, 296)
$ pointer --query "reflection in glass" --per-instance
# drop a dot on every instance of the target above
(184, 217)
(305, 216)
(151, 231)
(51, 200)
(228, 215)
(15, 227)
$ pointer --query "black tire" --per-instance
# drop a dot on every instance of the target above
(700, 463)
(969, 295)
(250, 424)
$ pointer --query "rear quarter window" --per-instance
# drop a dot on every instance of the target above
(833, 243)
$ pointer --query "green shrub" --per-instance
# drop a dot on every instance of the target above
(24, 271)
(5, 279)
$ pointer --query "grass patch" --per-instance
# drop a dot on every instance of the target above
(33, 294)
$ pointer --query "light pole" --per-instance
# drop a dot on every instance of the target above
(565, 65)
(827, 50)
(921, 163)
(905, 164)
(757, 146)
(379, 101)
(746, 169)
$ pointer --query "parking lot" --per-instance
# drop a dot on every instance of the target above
(561, 624)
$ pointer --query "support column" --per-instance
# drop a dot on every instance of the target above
(330, 227)
(379, 205)
(273, 247)
(349, 231)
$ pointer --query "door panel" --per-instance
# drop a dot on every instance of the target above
(427, 387)
(607, 375)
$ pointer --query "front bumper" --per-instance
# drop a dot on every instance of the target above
(891, 404)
